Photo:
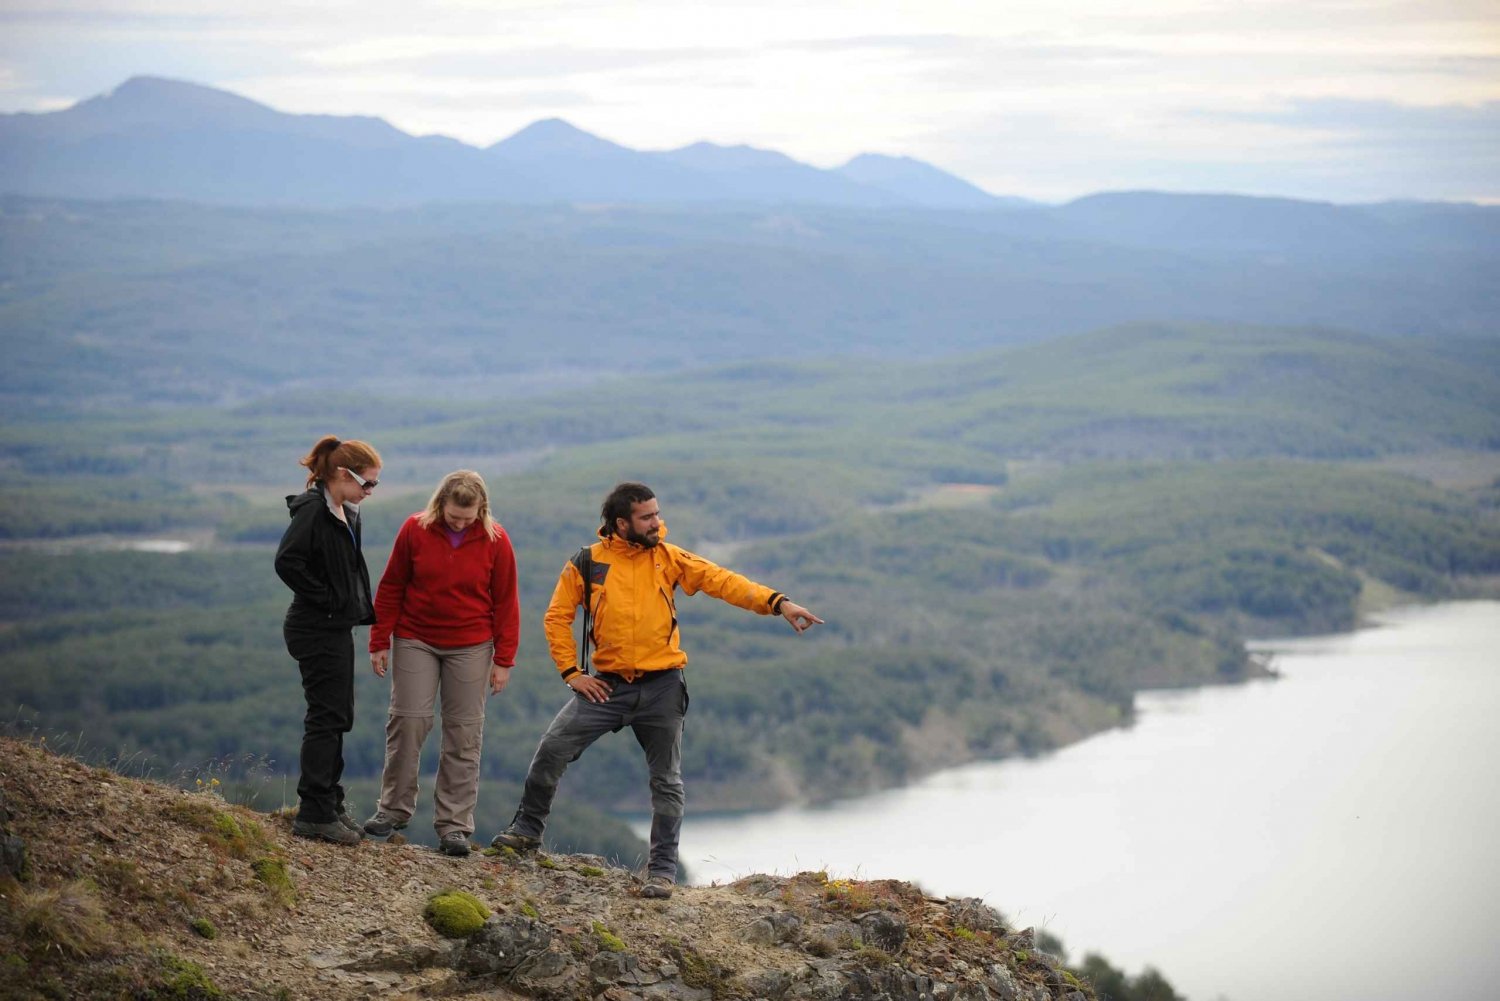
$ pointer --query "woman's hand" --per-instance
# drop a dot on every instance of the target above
(379, 660)
(499, 678)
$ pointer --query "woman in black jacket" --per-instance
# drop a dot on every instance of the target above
(320, 559)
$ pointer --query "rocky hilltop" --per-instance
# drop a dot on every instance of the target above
(114, 887)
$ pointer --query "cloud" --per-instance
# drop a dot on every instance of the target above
(1386, 121)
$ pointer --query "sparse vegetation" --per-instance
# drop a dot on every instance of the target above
(1112, 984)
(848, 895)
(272, 874)
(698, 970)
(229, 835)
(184, 980)
(68, 919)
(608, 940)
(123, 878)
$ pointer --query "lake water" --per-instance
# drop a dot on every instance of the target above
(1326, 835)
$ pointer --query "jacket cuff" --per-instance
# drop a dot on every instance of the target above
(566, 675)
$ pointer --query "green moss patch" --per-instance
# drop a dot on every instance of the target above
(184, 979)
(608, 940)
(272, 874)
(455, 914)
(227, 834)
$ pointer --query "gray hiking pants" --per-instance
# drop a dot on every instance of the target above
(653, 707)
(419, 672)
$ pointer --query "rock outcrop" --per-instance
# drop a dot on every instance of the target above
(135, 889)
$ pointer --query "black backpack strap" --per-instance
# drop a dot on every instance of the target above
(583, 561)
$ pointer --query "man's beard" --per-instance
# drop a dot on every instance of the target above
(644, 541)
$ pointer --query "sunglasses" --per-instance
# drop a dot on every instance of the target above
(365, 485)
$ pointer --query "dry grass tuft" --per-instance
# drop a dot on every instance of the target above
(69, 919)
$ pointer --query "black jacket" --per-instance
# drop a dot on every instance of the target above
(324, 566)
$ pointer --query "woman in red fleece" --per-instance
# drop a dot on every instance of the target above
(447, 618)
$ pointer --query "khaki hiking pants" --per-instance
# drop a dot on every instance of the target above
(418, 673)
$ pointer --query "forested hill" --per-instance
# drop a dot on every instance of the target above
(1007, 547)
(159, 303)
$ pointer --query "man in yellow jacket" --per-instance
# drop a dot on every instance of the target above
(633, 579)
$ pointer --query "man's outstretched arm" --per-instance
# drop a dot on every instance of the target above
(699, 574)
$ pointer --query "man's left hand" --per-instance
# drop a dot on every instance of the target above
(801, 619)
(499, 678)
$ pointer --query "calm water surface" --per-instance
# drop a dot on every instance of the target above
(1329, 835)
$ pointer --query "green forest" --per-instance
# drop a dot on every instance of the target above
(1006, 548)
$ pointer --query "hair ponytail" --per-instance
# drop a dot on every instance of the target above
(330, 453)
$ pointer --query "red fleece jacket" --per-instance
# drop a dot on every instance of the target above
(446, 596)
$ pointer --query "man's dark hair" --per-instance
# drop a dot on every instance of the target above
(620, 502)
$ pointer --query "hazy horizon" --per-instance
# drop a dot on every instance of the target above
(1349, 102)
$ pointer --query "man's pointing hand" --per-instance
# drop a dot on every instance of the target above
(800, 618)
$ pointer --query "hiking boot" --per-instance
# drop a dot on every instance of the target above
(349, 821)
(454, 843)
(383, 825)
(657, 888)
(516, 841)
(331, 831)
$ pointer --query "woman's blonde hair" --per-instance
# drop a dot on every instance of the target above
(463, 487)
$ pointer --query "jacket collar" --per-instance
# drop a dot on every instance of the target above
(615, 544)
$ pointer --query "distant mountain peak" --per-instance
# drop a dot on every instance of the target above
(737, 157)
(869, 159)
(552, 126)
(555, 136)
(158, 92)
(920, 182)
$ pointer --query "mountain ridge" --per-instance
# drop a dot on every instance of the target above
(157, 137)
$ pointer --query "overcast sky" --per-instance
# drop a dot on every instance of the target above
(1344, 100)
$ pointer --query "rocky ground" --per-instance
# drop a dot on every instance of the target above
(117, 888)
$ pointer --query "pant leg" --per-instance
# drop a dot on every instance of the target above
(465, 684)
(577, 725)
(326, 661)
(658, 729)
(414, 685)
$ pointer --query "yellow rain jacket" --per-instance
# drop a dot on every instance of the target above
(634, 605)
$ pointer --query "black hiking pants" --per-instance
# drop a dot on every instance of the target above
(326, 659)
